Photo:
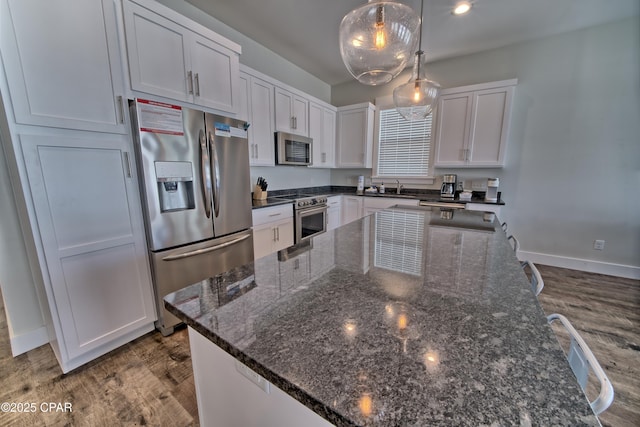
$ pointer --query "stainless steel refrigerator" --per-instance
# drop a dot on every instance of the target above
(196, 192)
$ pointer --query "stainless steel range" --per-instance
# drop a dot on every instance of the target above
(310, 217)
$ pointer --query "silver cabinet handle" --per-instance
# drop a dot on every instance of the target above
(277, 234)
(119, 101)
(324, 157)
(256, 147)
(205, 250)
(274, 235)
(276, 214)
(293, 126)
(295, 121)
(127, 163)
(190, 81)
(197, 81)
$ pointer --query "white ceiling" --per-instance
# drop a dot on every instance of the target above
(305, 32)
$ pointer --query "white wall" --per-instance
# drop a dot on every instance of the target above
(283, 177)
(572, 171)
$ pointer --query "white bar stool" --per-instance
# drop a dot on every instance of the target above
(580, 359)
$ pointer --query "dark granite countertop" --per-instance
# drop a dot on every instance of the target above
(278, 197)
(402, 318)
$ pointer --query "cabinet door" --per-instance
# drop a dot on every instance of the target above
(284, 110)
(215, 75)
(263, 237)
(327, 156)
(90, 225)
(489, 126)
(291, 112)
(351, 208)
(355, 138)
(322, 130)
(158, 54)
(300, 110)
(62, 63)
(452, 129)
(283, 234)
(261, 133)
(334, 212)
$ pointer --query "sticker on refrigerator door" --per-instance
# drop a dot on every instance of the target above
(238, 133)
(222, 129)
(158, 117)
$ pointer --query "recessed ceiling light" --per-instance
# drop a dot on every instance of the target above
(461, 8)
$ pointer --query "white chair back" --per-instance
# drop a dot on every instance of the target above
(536, 279)
(580, 359)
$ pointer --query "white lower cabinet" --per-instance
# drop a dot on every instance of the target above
(272, 229)
(96, 273)
(334, 214)
(351, 208)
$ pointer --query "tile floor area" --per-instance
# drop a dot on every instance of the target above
(149, 381)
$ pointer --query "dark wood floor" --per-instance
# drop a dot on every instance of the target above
(149, 381)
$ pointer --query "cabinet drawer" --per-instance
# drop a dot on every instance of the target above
(276, 213)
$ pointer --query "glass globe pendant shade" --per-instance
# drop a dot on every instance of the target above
(416, 99)
(377, 40)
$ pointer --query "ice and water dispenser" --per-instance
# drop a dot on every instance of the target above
(175, 186)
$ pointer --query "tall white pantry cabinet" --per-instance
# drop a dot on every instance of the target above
(70, 156)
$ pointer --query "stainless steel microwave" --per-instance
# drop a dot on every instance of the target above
(293, 149)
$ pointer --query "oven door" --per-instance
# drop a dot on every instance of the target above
(310, 222)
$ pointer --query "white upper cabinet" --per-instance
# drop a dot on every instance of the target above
(355, 136)
(322, 129)
(256, 107)
(173, 57)
(62, 63)
(472, 125)
(292, 112)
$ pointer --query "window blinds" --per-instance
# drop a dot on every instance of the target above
(403, 146)
(398, 241)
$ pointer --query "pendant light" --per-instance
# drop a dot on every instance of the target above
(416, 99)
(377, 39)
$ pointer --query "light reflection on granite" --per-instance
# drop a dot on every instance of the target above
(446, 332)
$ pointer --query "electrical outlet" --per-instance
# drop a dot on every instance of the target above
(598, 245)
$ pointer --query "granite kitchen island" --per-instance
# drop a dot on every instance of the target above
(407, 317)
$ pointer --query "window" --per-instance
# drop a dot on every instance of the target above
(399, 240)
(403, 147)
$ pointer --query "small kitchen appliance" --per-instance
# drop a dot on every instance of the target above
(293, 150)
(448, 189)
(492, 190)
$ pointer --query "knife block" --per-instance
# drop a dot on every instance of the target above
(258, 194)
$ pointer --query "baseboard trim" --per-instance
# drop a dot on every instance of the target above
(24, 342)
(610, 269)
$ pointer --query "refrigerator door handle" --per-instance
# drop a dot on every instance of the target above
(205, 250)
(215, 175)
(205, 172)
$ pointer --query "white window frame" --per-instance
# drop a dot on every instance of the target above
(385, 103)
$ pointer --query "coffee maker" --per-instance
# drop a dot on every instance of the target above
(448, 189)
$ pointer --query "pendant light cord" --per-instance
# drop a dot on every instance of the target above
(420, 52)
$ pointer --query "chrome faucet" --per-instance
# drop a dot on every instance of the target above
(398, 187)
